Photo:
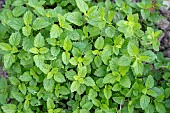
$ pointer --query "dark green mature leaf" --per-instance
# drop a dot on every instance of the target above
(124, 61)
(18, 11)
(16, 23)
(59, 77)
(144, 101)
(160, 107)
(18, 96)
(9, 108)
(48, 85)
(89, 81)
(132, 48)
(25, 77)
(125, 81)
(3, 83)
(15, 38)
(40, 23)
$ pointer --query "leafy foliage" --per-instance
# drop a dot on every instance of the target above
(81, 56)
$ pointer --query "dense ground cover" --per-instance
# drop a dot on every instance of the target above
(83, 56)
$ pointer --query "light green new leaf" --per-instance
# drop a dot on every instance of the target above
(75, 18)
(9, 59)
(73, 61)
(83, 7)
(65, 57)
(144, 101)
(125, 81)
(26, 30)
(50, 103)
(59, 77)
(89, 81)
(138, 67)
(99, 43)
(43, 50)
(34, 50)
(40, 23)
(22, 88)
(63, 23)
(107, 92)
(149, 82)
(15, 38)
(82, 71)
(55, 31)
(75, 86)
(9, 108)
(124, 61)
(132, 48)
(39, 41)
(67, 44)
(5, 47)
(18, 11)
(28, 18)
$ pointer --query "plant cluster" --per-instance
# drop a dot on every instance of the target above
(82, 56)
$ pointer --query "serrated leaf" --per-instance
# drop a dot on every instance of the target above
(144, 101)
(87, 106)
(89, 81)
(75, 18)
(107, 92)
(145, 13)
(82, 71)
(124, 61)
(99, 43)
(26, 30)
(98, 61)
(55, 31)
(40, 23)
(160, 107)
(18, 11)
(9, 59)
(149, 82)
(67, 44)
(59, 77)
(3, 83)
(75, 86)
(39, 40)
(15, 38)
(109, 78)
(138, 67)
(9, 108)
(16, 23)
(125, 81)
(132, 48)
(43, 50)
(50, 103)
(18, 96)
(110, 31)
(48, 85)
(55, 51)
(65, 57)
(22, 88)
(34, 50)
(28, 18)
(25, 77)
(39, 60)
(73, 61)
(64, 90)
(63, 23)
(83, 7)
(14, 81)
(5, 47)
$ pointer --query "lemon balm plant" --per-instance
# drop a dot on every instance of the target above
(82, 56)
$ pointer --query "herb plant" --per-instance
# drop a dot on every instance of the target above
(81, 56)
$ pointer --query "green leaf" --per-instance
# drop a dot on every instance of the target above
(89, 81)
(43, 50)
(144, 101)
(55, 31)
(18, 11)
(28, 18)
(132, 48)
(92, 94)
(63, 23)
(83, 7)
(16, 23)
(160, 108)
(59, 77)
(87, 106)
(5, 47)
(138, 67)
(26, 104)
(110, 31)
(119, 100)
(73, 61)
(150, 109)
(98, 61)
(124, 61)
(82, 71)
(26, 30)
(34, 50)
(65, 57)
(18, 96)
(125, 81)
(39, 60)
(55, 51)
(99, 43)
(107, 92)
(14, 81)
(145, 13)
(25, 77)
(149, 82)
(64, 90)
(15, 38)
(40, 23)
(3, 83)
(109, 78)
(9, 108)
(9, 59)
(39, 41)
(22, 88)
(67, 44)
(48, 85)
(50, 103)
(96, 103)
(75, 18)
(75, 86)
